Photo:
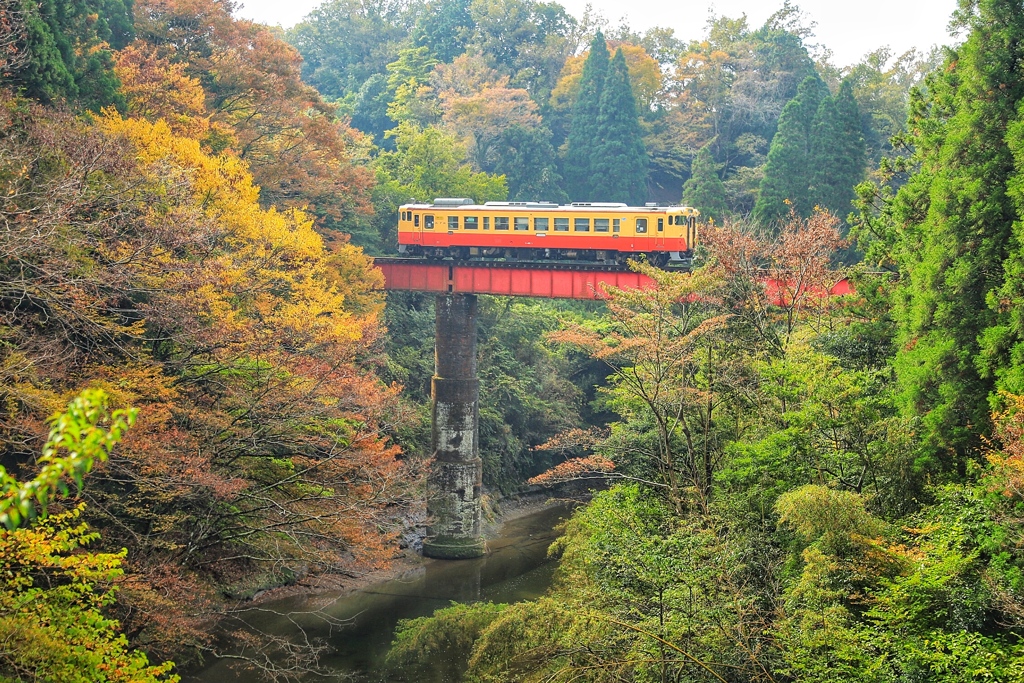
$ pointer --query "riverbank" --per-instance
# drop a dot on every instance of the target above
(354, 620)
(408, 560)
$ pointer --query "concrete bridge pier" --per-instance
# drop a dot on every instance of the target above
(453, 503)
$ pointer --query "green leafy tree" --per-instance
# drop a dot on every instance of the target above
(638, 597)
(852, 131)
(732, 87)
(584, 128)
(439, 645)
(932, 603)
(771, 74)
(527, 159)
(705, 189)
(1002, 342)
(53, 599)
(54, 593)
(426, 163)
(370, 112)
(618, 161)
(431, 163)
(345, 42)
(527, 40)
(406, 75)
(787, 174)
(882, 82)
(76, 432)
(444, 28)
(825, 157)
(662, 356)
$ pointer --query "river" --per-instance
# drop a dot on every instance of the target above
(359, 625)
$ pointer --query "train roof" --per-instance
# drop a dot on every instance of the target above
(448, 203)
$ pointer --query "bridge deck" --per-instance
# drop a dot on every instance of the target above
(551, 281)
(558, 280)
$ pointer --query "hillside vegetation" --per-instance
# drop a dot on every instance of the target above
(205, 393)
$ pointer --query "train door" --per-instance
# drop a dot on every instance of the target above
(659, 234)
(417, 228)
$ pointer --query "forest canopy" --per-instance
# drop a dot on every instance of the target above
(207, 394)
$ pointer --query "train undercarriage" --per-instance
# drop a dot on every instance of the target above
(582, 256)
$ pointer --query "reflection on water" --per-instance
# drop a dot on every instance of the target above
(515, 568)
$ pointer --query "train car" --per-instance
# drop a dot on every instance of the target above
(584, 231)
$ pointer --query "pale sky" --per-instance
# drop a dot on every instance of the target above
(849, 29)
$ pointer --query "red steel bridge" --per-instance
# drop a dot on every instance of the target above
(558, 280)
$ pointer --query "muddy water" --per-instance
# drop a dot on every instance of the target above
(359, 626)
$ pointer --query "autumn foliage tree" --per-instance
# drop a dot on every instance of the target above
(300, 153)
(776, 283)
(137, 262)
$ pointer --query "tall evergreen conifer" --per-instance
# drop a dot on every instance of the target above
(951, 233)
(583, 128)
(837, 152)
(825, 161)
(853, 134)
(1002, 343)
(705, 190)
(787, 174)
(619, 160)
(68, 51)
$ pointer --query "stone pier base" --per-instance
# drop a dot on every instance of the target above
(453, 503)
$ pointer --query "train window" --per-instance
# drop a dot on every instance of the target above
(600, 225)
(416, 221)
(616, 223)
(561, 225)
(641, 225)
(487, 222)
(471, 222)
(581, 225)
(453, 222)
(522, 223)
(501, 222)
(540, 224)
(676, 220)
(661, 225)
(428, 221)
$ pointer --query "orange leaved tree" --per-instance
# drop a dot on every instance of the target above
(666, 352)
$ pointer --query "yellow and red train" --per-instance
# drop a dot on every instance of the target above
(601, 232)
